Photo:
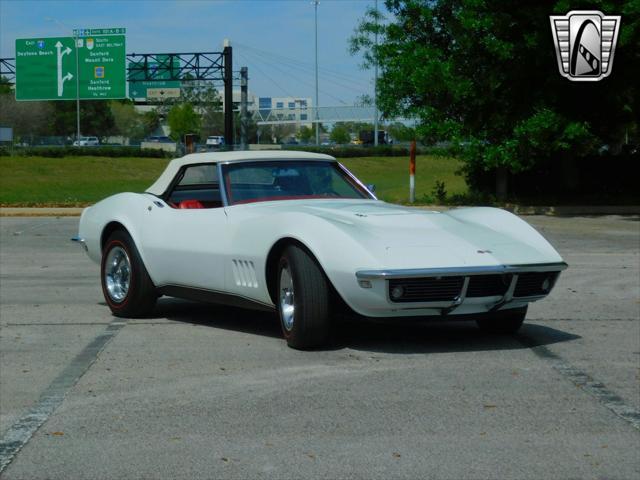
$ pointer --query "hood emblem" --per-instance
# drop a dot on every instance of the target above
(485, 251)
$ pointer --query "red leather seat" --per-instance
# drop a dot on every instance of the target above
(184, 204)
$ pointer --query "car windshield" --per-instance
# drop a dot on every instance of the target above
(265, 181)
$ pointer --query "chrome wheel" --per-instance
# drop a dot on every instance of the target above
(287, 307)
(117, 274)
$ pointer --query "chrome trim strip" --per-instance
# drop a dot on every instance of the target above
(460, 299)
(463, 292)
(508, 295)
(355, 179)
(459, 271)
(212, 296)
(222, 185)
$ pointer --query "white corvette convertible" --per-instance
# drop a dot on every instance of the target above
(297, 233)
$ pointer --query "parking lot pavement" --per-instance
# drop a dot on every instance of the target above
(201, 391)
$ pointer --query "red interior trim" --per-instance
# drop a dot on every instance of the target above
(280, 197)
(188, 204)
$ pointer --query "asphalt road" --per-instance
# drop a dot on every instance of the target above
(209, 392)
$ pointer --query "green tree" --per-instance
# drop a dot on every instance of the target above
(306, 134)
(401, 133)
(183, 119)
(127, 121)
(28, 119)
(95, 118)
(340, 135)
(150, 122)
(483, 73)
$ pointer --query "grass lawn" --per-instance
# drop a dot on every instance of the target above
(390, 175)
(73, 181)
(79, 181)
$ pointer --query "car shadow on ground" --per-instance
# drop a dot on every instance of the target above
(384, 336)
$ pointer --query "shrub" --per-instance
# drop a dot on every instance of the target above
(356, 151)
(106, 151)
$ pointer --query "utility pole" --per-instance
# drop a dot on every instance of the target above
(375, 84)
(244, 80)
(228, 94)
(315, 4)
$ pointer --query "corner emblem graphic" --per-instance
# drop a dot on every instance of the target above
(585, 42)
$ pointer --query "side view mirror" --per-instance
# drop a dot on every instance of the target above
(371, 187)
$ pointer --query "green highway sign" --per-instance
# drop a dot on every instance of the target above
(46, 68)
(91, 32)
(160, 88)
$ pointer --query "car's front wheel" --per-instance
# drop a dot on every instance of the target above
(303, 299)
(503, 321)
(126, 285)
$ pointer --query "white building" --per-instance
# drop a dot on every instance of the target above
(287, 108)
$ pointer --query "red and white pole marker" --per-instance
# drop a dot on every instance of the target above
(412, 172)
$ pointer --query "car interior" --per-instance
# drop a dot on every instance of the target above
(195, 187)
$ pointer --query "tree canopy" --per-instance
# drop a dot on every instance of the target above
(340, 134)
(483, 74)
(183, 119)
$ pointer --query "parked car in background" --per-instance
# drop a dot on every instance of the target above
(215, 141)
(159, 139)
(87, 142)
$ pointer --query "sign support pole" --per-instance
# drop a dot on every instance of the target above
(228, 95)
(75, 40)
(244, 80)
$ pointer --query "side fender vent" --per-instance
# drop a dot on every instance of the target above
(244, 274)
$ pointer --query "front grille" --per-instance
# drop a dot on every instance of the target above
(429, 289)
(488, 285)
(535, 283)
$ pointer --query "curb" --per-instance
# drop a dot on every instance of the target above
(40, 212)
(558, 211)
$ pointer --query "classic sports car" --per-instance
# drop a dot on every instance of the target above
(298, 233)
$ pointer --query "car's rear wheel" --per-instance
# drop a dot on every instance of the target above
(303, 299)
(126, 285)
(503, 321)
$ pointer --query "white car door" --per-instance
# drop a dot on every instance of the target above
(185, 239)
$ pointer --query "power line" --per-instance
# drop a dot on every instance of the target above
(257, 58)
(310, 73)
(278, 85)
(302, 64)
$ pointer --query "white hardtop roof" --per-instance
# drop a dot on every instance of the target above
(163, 182)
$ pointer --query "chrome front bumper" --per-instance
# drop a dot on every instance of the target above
(459, 271)
(365, 277)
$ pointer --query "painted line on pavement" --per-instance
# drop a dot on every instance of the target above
(21, 432)
(585, 382)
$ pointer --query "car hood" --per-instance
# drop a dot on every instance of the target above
(406, 237)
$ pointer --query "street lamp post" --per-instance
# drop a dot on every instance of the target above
(75, 41)
(315, 4)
